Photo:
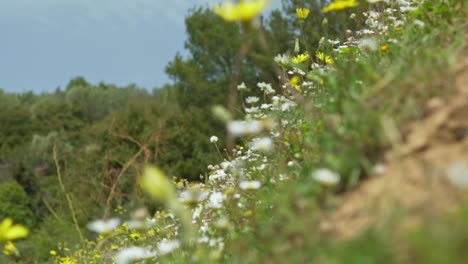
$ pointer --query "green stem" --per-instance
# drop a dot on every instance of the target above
(56, 216)
(69, 201)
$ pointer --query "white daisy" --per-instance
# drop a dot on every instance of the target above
(251, 99)
(250, 185)
(128, 255)
(103, 226)
(326, 177)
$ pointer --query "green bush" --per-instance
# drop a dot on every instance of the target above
(14, 204)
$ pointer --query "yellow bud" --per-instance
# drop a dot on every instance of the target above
(296, 45)
(325, 23)
(155, 183)
(221, 113)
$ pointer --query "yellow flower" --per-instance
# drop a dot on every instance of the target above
(243, 10)
(340, 5)
(67, 260)
(294, 82)
(53, 252)
(302, 13)
(135, 235)
(150, 232)
(384, 48)
(8, 231)
(300, 58)
(324, 58)
(10, 249)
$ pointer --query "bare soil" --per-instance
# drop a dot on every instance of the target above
(426, 175)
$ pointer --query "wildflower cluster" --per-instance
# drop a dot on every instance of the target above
(204, 215)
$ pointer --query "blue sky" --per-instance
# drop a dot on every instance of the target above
(44, 43)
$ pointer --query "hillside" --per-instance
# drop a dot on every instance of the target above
(326, 133)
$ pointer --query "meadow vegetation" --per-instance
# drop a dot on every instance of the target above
(269, 119)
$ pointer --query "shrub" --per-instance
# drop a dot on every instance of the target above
(14, 204)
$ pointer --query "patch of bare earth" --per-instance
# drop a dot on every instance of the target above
(426, 175)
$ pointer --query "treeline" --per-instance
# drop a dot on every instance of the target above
(97, 137)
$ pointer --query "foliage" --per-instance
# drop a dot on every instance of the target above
(14, 204)
(331, 101)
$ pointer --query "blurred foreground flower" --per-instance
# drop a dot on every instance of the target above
(155, 183)
(192, 197)
(241, 128)
(367, 43)
(326, 177)
(338, 5)
(9, 231)
(167, 246)
(103, 226)
(221, 113)
(243, 10)
(131, 254)
(250, 185)
(458, 174)
(384, 48)
(216, 200)
(264, 144)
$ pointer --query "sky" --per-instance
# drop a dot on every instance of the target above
(45, 43)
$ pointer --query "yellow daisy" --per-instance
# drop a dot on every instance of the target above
(339, 5)
(302, 13)
(324, 58)
(300, 58)
(244, 10)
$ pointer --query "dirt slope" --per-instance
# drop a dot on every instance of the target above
(426, 175)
